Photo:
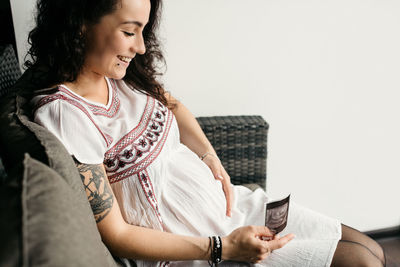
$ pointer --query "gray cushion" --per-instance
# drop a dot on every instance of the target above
(56, 228)
(15, 138)
(58, 157)
(10, 225)
(19, 136)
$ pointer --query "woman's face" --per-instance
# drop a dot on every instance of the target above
(116, 39)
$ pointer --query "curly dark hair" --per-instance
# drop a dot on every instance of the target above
(58, 45)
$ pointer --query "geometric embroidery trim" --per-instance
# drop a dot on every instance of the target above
(141, 146)
(58, 96)
(148, 190)
(96, 109)
(164, 264)
(134, 133)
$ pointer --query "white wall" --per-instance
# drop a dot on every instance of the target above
(324, 74)
(23, 19)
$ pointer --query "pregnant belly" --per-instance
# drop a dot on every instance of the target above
(192, 201)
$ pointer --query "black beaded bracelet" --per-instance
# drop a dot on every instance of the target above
(211, 253)
(216, 250)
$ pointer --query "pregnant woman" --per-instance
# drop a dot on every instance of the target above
(157, 189)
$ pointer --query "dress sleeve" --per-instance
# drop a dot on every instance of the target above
(74, 129)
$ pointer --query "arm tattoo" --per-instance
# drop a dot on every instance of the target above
(97, 190)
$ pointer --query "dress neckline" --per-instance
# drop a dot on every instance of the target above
(90, 102)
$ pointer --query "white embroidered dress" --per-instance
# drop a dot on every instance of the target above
(159, 183)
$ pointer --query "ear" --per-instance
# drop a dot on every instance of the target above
(83, 30)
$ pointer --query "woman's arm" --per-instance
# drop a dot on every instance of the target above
(193, 137)
(189, 129)
(129, 241)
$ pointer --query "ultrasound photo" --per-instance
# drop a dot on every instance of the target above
(276, 215)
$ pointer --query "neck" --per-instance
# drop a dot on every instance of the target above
(91, 86)
(88, 83)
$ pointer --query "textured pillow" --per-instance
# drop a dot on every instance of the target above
(15, 138)
(10, 223)
(18, 136)
(56, 230)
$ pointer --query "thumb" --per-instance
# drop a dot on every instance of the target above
(278, 243)
(262, 231)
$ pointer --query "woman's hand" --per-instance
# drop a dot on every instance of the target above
(246, 244)
(219, 173)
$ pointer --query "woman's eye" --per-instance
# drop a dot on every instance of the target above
(129, 33)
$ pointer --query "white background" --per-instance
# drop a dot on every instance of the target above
(324, 74)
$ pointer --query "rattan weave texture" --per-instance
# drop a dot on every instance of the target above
(241, 145)
(9, 69)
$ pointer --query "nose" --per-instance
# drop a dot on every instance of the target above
(138, 45)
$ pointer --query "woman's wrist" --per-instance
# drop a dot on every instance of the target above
(206, 247)
(216, 251)
(226, 248)
(207, 154)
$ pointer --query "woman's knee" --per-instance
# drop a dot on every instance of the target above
(349, 253)
(352, 235)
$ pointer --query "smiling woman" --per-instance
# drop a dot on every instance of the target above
(111, 44)
(155, 184)
(62, 50)
(116, 40)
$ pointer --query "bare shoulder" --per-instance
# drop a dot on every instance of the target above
(98, 191)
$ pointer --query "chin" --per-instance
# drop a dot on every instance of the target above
(118, 75)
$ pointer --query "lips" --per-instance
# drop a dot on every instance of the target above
(124, 59)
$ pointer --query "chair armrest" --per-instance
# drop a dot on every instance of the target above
(241, 144)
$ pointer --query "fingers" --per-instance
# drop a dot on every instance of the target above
(243, 244)
(226, 186)
(215, 165)
(216, 170)
(220, 174)
(277, 242)
(261, 231)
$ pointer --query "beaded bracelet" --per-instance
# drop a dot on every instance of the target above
(216, 251)
(211, 253)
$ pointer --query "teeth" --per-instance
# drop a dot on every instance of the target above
(125, 59)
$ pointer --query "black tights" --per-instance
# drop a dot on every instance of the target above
(357, 249)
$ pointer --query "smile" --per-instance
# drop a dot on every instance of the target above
(124, 59)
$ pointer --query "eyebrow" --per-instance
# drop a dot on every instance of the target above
(138, 23)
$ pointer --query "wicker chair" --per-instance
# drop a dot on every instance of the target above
(241, 144)
(9, 69)
(9, 74)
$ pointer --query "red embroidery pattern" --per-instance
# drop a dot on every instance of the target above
(148, 189)
(133, 135)
(96, 109)
(135, 151)
(58, 96)
(138, 149)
